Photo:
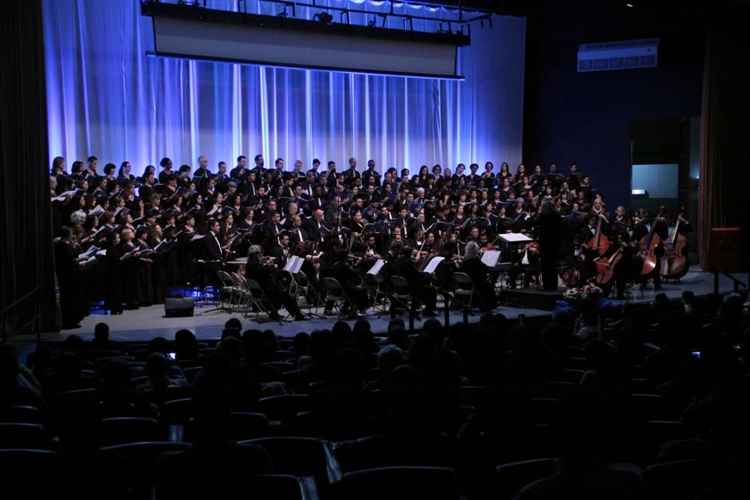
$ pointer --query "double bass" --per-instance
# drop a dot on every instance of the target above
(599, 243)
(605, 268)
(648, 245)
(675, 263)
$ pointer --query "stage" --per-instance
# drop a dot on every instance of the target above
(146, 323)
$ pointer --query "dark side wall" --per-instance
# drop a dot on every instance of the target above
(585, 117)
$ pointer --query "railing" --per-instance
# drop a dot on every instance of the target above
(33, 322)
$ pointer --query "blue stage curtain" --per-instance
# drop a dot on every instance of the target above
(107, 98)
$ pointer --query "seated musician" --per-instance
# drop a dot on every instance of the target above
(484, 291)
(404, 266)
(265, 274)
(338, 267)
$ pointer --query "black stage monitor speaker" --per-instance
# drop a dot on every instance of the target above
(178, 307)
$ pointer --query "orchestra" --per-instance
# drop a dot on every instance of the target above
(133, 238)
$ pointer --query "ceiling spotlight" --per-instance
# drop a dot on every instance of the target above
(629, 5)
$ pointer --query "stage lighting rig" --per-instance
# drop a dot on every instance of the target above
(324, 18)
(287, 39)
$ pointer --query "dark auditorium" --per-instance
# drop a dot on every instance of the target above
(374, 250)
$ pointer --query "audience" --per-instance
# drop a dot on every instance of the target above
(653, 401)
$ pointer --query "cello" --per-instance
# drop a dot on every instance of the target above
(648, 245)
(676, 263)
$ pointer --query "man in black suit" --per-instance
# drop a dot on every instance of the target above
(351, 173)
(266, 278)
(202, 171)
(240, 171)
(297, 232)
(258, 168)
(549, 244)
(316, 228)
(479, 273)
(370, 172)
(213, 252)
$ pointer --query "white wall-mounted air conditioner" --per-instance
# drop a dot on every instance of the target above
(614, 56)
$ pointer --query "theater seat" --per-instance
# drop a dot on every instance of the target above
(303, 457)
(284, 407)
(228, 487)
(397, 483)
(22, 435)
(511, 477)
(34, 474)
(128, 470)
(121, 430)
(677, 480)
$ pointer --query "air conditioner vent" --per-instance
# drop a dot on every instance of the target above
(615, 56)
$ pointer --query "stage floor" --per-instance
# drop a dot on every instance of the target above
(146, 323)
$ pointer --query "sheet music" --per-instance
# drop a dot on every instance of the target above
(198, 237)
(490, 258)
(515, 238)
(294, 264)
(88, 253)
(98, 210)
(375, 269)
(66, 194)
(432, 265)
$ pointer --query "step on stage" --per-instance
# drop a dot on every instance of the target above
(148, 322)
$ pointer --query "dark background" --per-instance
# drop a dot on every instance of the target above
(26, 266)
(590, 117)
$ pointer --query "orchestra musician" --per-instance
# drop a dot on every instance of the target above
(265, 273)
(340, 222)
(484, 290)
(401, 264)
(549, 226)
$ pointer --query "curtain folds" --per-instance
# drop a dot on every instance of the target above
(724, 155)
(106, 97)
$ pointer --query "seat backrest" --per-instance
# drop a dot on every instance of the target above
(21, 414)
(332, 286)
(77, 399)
(677, 479)
(399, 283)
(254, 287)
(177, 411)
(284, 407)
(463, 280)
(122, 430)
(36, 473)
(24, 435)
(248, 425)
(240, 278)
(511, 477)
(298, 456)
(397, 483)
(141, 453)
(226, 279)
